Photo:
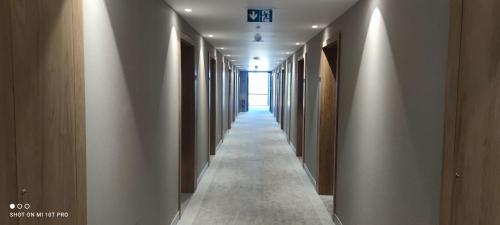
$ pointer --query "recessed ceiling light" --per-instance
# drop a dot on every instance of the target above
(287, 53)
(228, 55)
(221, 48)
(210, 35)
(297, 43)
(315, 26)
(188, 10)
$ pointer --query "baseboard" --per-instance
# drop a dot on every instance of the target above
(336, 220)
(202, 173)
(176, 219)
(313, 181)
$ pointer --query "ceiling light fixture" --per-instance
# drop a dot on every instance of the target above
(315, 26)
(210, 35)
(188, 10)
(221, 48)
(297, 43)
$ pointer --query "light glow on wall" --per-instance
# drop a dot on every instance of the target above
(377, 119)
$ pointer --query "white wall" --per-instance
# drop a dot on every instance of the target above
(132, 110)
(392, 74)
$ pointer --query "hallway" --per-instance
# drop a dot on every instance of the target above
(255, 179)
(238, 112)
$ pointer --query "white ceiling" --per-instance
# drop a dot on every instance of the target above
(292, 23)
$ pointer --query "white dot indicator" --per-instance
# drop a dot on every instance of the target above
(12, 206)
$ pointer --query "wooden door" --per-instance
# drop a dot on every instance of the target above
(289, 100)
(188, 130)
(229, 99)
(236, 95)
(42, 121)
(283, 90)
(471, 170)
(271, 93)
(278, 98)
(213, 108)
(220, 81)
(300, 107)
(8, 165)
(328, 118)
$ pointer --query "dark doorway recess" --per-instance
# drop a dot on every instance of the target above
(271, 88)
(282, 113)
(300, 107)
(212, 103)
(229, 99)
(187, 164)
(220, 82)
(329, 68)
(278, 97)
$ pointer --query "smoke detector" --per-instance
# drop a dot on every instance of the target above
(257, 37)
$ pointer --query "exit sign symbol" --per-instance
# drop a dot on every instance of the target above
(260, 15)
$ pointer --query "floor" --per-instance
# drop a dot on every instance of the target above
(185, 197)
(255, 178)
(328, 201)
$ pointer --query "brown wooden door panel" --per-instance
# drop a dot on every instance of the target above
(45, 107)
(471, 174)
(188, 130)
(478, 147)
(8, 165)
(328, 119)
(282, 99)
(300, 107)
(229, 99)
(213, 97)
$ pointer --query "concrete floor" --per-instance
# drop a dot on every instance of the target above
(255, 178)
